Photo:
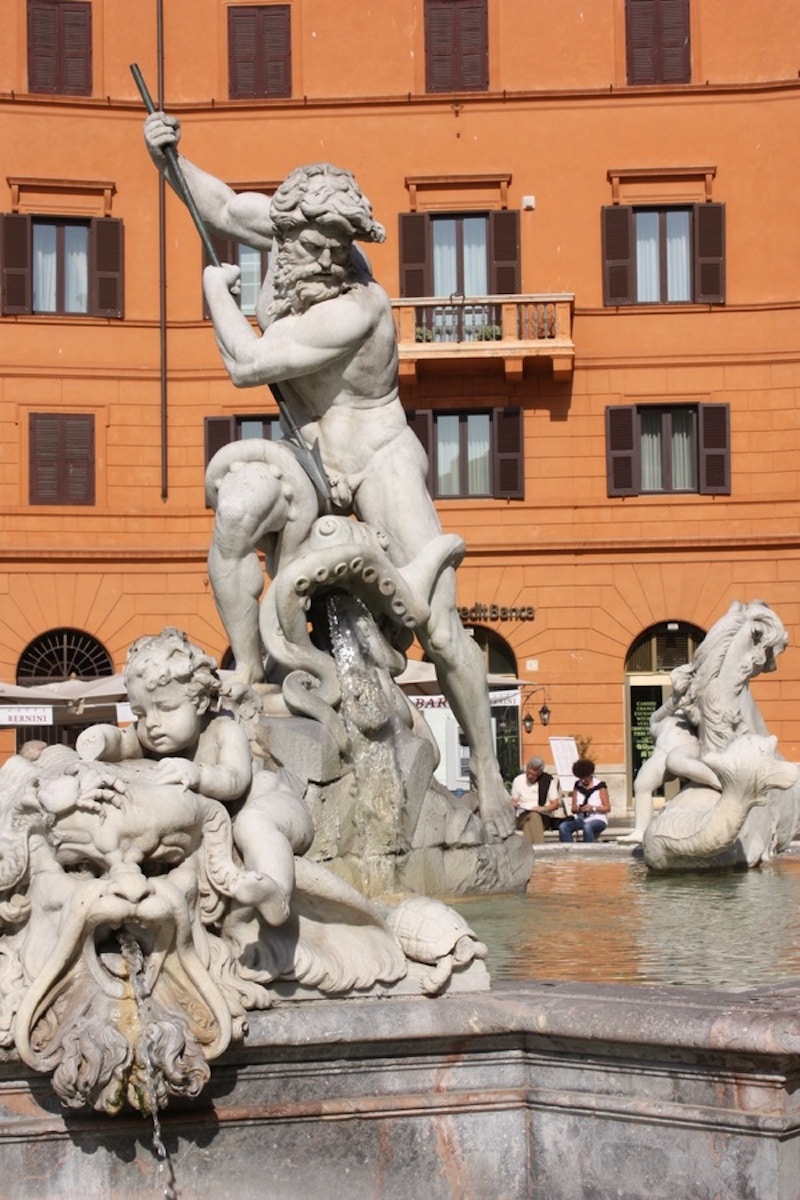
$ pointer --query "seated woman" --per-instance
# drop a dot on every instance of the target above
(590, 804)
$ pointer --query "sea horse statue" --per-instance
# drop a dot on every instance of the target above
(739, 800)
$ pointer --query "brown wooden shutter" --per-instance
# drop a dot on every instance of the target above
(709, 253)
(259, 51)
(78, 459)
(276, 50)
(61, 457)
(504, 269)
(473, 34)
(218, 432)
(43, 46)
(641, 38)
(416, 259)
(76, 57)
(674, 44)
(714, 439)
(242, 53)
(657, 35)
(420, 422)
(15, 255)
(619, 286)
(440, 35)
(509, 473)
(456, 46)
(106, 267)
(60, 47)
(622, 451)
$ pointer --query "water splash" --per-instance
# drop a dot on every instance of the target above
(134, 961)
(368, 717)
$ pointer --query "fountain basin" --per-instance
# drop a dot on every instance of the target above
(532, 1090)
(596, 913)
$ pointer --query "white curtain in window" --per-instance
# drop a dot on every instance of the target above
(445, 278)
(478, 454)
(679, 271)
(651, 450)
(476, 275)
(445, 269)
(683, 454)
(250, 266)
(648, 281)
(44, 267)
(76, 268)
(447, 459)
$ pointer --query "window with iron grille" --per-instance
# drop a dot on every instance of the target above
(461, 259)
(62, 654)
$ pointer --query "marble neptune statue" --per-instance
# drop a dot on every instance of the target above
(327, 340)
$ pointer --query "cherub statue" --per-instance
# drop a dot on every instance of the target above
(174, 692)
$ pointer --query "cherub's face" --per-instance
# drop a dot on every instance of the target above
(168, 719)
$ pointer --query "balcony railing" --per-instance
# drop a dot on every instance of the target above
(510, 328)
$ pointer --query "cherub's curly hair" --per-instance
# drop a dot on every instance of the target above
(159, 659)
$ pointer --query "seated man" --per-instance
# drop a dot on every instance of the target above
(534, 795)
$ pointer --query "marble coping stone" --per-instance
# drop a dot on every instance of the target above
(535, 1091)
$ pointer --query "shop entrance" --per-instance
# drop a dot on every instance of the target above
(651, 658)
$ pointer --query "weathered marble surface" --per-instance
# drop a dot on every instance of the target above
(739, 799)
(327, 346)
(531, 1091)
(154, 891)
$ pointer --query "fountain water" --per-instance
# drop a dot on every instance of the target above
(134, 961)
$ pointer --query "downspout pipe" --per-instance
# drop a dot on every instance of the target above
(162, 266)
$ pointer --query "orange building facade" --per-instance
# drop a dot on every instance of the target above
(594, 260)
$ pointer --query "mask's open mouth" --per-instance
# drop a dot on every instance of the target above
(115, 951)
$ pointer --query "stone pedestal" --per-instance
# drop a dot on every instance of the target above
(534, 1091)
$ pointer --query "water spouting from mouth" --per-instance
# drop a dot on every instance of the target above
(134, 961)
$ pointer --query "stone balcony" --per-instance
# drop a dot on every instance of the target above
(512, 329)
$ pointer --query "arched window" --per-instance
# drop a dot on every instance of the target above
(652, 656)
(63, 654)
(55, 657)
(663, 647)
(498, 657)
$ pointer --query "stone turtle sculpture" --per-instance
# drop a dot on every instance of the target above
(431, 933)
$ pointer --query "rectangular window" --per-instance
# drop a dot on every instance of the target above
(664, 255)
(259, 51)
(460, 259)
(470, 454)
(456, 46)
(219, 431)
(658, 46)
(60, 267)
(61, 458)
(54, 265)
(251, 262)
(60, 47)
(656, 449)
